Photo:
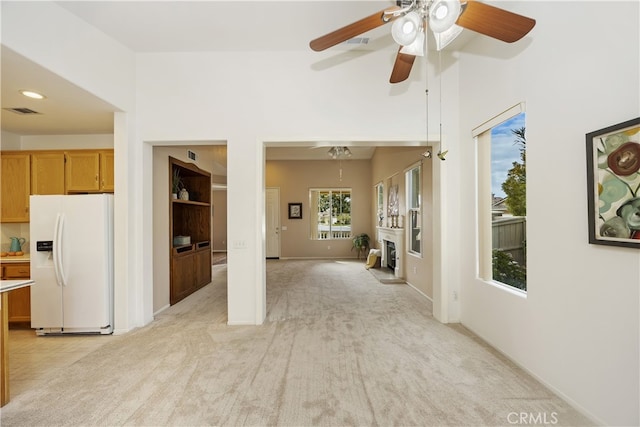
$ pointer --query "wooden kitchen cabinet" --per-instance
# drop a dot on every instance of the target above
(47, 172)
(107, 171)
(15, 187)
(89, 171)
(19, 300)
(190, 263)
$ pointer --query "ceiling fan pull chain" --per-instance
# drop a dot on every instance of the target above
(442, 152)
(426, 79)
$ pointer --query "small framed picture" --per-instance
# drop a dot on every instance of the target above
(295, 210)
(613, 184)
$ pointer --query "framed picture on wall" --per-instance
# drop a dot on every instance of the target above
(613, 184)
(295, 210)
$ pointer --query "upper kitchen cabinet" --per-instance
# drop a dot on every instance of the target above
(15, 187)
(47, 172)
(89, 171)
(107, 173)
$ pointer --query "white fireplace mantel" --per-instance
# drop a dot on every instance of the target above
(395, 235)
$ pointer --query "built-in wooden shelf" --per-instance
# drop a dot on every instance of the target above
(190, 264)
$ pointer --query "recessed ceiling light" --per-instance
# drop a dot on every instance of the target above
(32, 94)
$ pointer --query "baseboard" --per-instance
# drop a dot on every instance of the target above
(575, 405)
(429, 300)
(161, 310)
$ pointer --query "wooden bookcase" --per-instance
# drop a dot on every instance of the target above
(190, 263)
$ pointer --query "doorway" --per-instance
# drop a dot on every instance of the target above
(272, 223)
(210, 157)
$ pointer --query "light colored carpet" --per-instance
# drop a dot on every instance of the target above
(218, 258)
(337, 348)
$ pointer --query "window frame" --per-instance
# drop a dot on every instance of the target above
(379, 198)
(413, 204)
(484, 253)
(314, 230)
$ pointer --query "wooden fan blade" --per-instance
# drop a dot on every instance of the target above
(494, 22)
(402, 67)
(349, 31)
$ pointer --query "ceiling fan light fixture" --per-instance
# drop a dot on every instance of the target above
(406, 28)
(443, 14)
(416, 48)
(447, 36)
(335, 152)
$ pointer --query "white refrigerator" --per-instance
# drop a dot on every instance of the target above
(71, 242)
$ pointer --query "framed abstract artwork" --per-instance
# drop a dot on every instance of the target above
(613, 184)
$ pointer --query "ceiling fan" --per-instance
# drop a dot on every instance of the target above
(445, 18)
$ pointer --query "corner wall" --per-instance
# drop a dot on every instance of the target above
(577, 329)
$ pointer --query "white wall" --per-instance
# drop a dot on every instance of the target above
(578, 328)
(9, 141)
(66, 142)
(69, 47)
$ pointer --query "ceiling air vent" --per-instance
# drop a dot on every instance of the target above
(22, 110)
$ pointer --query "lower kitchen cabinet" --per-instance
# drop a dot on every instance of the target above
(19, 299)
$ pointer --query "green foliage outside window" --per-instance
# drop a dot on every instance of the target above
(506, 270)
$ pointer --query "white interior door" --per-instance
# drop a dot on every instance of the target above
(272, 209)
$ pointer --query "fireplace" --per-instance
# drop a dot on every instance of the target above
(391, 243)
(390, 250)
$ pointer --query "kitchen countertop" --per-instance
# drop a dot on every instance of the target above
(11, 259)
(9, 285)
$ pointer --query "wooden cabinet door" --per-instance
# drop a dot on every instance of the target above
(182, 277)
(47, 173)
(107, 175)
(203, 267)
(82, 171)
(15, 187)
(20, 305)
(19, 300)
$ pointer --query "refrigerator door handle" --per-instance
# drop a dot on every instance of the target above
(57, 251)
(56, 228)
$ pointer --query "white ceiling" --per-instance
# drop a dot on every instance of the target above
(229, 25)
(160, 26)
(156, 26)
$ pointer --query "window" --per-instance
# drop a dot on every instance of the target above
(502, 199)
(414, 202)
(332, 209)
(379, 198)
